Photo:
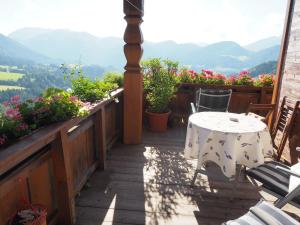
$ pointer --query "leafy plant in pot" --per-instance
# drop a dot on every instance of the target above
(160, 84)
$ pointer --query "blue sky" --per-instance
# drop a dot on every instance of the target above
(198, 21)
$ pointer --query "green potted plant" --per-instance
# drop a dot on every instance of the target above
(160, 86)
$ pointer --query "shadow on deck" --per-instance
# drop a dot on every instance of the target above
(150, 184)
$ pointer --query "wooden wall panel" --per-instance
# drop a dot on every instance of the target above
(111, 128)
(32, 180)
(290, 83)
(10, 194)
(41, 186)
(113, 121)
(241, 98)
(240, 101)
(83, 155)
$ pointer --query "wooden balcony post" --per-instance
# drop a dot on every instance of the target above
(133, 81)
(282, 57)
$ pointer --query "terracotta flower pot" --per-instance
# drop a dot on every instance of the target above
(158, 121)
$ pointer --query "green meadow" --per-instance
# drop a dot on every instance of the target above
(10, 76)
(7, 87)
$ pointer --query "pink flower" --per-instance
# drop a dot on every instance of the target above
(5, 104)
(231, 78)
(39, 99)
(22, 127)
(73, 99)
(220, 76)
(243, 73)
(192, 72)
(13, 114)
(15, 99)
(208, 72)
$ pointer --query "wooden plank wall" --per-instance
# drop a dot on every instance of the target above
(290, 83)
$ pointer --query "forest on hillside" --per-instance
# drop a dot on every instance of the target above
(36, 79)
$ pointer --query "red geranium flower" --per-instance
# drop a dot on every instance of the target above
(5, 104)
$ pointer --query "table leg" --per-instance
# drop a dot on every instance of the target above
(240, 169)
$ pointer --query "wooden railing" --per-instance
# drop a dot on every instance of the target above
(242, 96)
(50, 166)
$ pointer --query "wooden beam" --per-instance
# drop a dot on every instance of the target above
(282, 56)
(133, 82)
(64, 179)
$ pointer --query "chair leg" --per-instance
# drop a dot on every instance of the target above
(241, 170)
(281, 147)
(283, 201)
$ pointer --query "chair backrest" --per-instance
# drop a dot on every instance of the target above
(264, 110)
(212, 100)
(283, 124)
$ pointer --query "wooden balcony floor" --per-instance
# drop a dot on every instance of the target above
(150, 184)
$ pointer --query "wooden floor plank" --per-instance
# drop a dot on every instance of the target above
(150, 184)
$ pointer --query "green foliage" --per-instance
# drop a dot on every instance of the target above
(265, 80)
(190, 76)
(64, 106)
(52, 91)
(218, 79)
(11, 121)
(9, 87)
(10, 76)
(37, 78)
(89, 90)
(56, 105)
(244, 78)
(159, 83)
(18, 119)
(114, 78)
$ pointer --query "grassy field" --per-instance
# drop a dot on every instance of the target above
(10, 76)
(6, 87)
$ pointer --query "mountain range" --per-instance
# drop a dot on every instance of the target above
(65, 46)
(263, 44)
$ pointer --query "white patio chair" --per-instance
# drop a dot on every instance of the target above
(211, 100)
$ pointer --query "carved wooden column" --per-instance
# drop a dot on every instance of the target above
(133, 82)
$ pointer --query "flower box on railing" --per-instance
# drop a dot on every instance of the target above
(55, 161)
(242, 96)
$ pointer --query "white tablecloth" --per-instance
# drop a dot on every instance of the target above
(213, 136)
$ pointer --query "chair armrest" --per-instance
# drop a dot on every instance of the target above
(193, 108)
(288, 171)
(263, 216)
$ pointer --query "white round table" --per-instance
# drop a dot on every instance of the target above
(227, 139)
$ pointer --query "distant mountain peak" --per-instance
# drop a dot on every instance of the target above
(13, 49)
(263, 44)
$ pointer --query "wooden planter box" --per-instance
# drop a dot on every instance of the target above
(55, 162)
(242, 96)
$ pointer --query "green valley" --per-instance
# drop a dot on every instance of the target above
(10, 76)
